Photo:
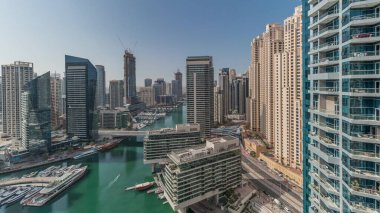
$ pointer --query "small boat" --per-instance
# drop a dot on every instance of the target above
(109, 145)
(161, 196)
(85, 153)
(144, 186)
(158, 191)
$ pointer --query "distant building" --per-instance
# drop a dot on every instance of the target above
(166, 100)
(130, 94)
(175, 88)
(148, 82)
(35, 114)
(168, 90)
(114, 119)
(218, 102)
(100, 86)
(178, 77)
(224, 86)
(80, 98)
(199, 173)
(199, 90)
(56, 99)
(116, 93)
(146, 96)
(158, 90)
(14, 78)
(159, 143)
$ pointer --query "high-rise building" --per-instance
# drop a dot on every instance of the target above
(199, 90)
(261, 80)
(224, 86)
(35, 114)
(56, 99)
(148, 82)
(116, 93)
(341, 106)
(159, 143)
(218, 115)
(202, 172)
(168, 90)
(100, 86)
(63, 91)
(130, 94)
(146, 95)
(175, 88)
(178, 77)
(288, 95)
(14, 78)
(159, 88)
(80, 97)
(239, 94)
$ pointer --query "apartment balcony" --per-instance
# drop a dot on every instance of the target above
(364, 20)
(324, 33)
(361, 56)
(321, 5)
(361, 207)
(326, 90)
(326, 156)
(363, 38)
(328, 187)
(363, 137)
(364, 192)
(329, 202)
(364, 155)
(314, 188)
(328, 61)
(356, 4)
(327, 127)
(324, 18)
(363, 172)
(365, 119)
(360, 73)
(325, 47)
(325, 113)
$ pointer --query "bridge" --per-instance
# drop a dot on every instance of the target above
(30, 181)
(121, 133)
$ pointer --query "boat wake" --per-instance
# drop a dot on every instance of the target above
(113, 181)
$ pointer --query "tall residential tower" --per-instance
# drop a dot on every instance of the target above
(130, 94)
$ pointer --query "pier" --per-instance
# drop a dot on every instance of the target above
(37, 181)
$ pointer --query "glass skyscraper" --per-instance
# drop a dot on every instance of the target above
(36, 114)
(80, 80)
(341, 47)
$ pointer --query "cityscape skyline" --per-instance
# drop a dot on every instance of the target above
(100, 34)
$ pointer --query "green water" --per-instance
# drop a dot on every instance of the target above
(102, 189)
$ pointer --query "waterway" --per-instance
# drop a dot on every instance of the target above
(102, 189)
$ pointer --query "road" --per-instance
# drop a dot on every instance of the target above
(274, 185)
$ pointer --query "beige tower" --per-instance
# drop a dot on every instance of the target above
(288, 94)
(261, 74)
(56, 94)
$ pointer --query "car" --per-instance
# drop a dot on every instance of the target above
(286, 209)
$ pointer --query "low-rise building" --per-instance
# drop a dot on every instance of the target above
(159, 143)
(199, 173)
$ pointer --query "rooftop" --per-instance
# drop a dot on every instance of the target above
(180, 128)
(213, 146)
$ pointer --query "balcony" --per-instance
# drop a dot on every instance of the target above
(321, 5)
(361, 38)
(327, 156)
(355, 4)
(363, 137)
(363, 155)
(363, 172)
(324, 18)
(325, 47)
(325, 61)
(325, 32)
(360, 73)
(328, 187)
(325, 112)
(361, 56)
(366, 119)
(326, 90)
(329, 202)
(362, 207)
(364, 20)
(365, 192)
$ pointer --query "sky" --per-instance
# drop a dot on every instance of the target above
(160, 33)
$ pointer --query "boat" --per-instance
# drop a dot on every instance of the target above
(31, 174)
(144, 186)
(30, 194)
(17, 196)
(85, 153)
(56, 187)
(109, 145)
(161, 196)
(158, 191)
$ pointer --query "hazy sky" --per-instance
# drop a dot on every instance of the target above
(161, 33)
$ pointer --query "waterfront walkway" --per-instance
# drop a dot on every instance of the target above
(30, 181)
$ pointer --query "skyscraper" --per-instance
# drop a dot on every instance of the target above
(146, 95)
(288, 95)
(116, 93)
(130, 95)
(80, 97)
(178, 77)
(341, 106)
(261, 79)
(14, 78)
(100, 86)
(148, 82)
(199, 89)
(175, 88)
(224, 86)
(35, 114)
(56, 99)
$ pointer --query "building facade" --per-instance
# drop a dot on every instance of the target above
(147, 82)
(114, 119)
(261, 80)
(56, 99)
(36, 114)
(224, 86)
(342, 106)
(178, 77)
(80, 79)
(100, 86)
(116, 93)
(146, 95)
(159, 143)
(199, 90)
(288, 95)
(130, 95)
(202, 172)
(14, 78)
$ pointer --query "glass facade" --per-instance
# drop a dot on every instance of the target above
(341, 105)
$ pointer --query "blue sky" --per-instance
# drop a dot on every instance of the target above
(161, 33)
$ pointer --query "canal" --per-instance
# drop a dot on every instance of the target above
(102, 189)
